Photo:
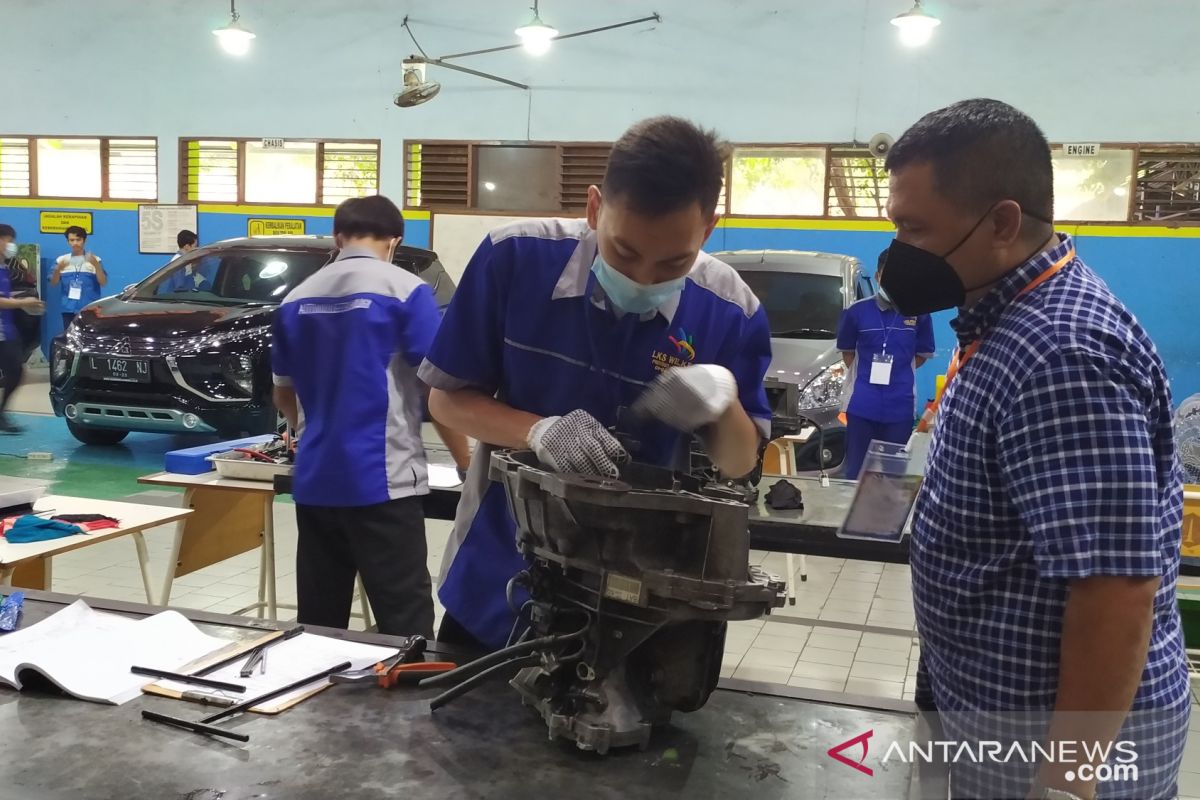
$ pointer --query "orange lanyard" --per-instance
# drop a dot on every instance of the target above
(960, 358)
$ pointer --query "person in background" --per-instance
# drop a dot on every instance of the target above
(888, 347)
(187, 242)
(11, 366)
(191, 278)
(1045, 543)
(80, 275)
(564, 332)
(346, 344)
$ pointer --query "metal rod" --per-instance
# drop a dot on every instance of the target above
(652, 18)
(262, 698)
(208, 683)
(437, 62)
(194, 727)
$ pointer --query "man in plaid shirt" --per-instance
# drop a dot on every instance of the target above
(1045, 545)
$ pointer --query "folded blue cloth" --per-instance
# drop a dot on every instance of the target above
(36, 529)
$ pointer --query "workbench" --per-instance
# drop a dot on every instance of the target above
(364, 742)
(811, 531)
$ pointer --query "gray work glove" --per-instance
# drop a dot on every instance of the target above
(576, 442)
(688, 398)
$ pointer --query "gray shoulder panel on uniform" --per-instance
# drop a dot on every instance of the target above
(540, 228)
(723, 280)
(357, 276)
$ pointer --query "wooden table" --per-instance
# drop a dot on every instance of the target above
(29, 565)
(230, 517)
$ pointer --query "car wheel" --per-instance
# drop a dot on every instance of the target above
(99, 436)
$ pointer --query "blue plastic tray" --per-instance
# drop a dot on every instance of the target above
(194, 460)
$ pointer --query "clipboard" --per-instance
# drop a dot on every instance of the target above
(231, 652)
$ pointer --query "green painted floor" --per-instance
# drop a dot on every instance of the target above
(102, 473)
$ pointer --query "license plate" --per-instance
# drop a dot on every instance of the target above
(122, 370)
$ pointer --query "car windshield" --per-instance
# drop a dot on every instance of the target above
(800, 305)
(232, 277)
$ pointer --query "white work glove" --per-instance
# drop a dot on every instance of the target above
(576, 442)
(688, 398)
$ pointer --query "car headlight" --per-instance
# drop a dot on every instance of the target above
(240, 371)
(825, 390)
(62, 361)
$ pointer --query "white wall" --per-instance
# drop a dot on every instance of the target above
(805, 70)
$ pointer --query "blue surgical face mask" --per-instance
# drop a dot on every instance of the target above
(10, 250)
(883, 295)
(630, 296)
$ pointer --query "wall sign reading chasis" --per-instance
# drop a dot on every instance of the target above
(274, 227)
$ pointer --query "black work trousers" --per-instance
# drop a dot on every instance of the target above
(11, 367)
(385, 544)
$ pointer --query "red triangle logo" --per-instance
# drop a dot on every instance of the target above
(835, 752)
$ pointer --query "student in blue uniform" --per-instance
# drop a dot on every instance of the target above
(79, 274)
(564, 332)
(191, 278)
(11, 352)
(889, 347)
(346, 344)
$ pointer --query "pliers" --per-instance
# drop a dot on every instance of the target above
(391, 672)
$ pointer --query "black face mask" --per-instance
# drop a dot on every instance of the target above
(920, 282)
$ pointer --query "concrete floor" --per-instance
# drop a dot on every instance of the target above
(819, 643)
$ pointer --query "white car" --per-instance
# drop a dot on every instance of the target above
(804, 294)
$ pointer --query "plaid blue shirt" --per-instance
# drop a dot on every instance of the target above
(1052, 460)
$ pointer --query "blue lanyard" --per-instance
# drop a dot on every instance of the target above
(887, 329)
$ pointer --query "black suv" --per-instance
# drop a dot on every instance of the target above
(187, 350)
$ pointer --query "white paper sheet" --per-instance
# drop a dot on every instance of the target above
(88, 653)
(290, 661)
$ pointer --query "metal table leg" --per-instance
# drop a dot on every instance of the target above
(269, 555)
(173, 561)
(143, 555)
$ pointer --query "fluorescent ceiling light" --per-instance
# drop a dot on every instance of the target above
(233, 38)
(536, 35)
(915, 25)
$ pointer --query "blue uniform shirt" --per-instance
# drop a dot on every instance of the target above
(873, 327)
(78, 284)
(349, 340)
(8, 325)
(529, 324)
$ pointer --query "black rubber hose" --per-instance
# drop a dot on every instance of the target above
(479, 679)
(513, 651)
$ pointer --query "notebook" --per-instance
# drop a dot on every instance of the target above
(88, 653)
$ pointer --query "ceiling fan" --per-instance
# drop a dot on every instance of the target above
(536, 37)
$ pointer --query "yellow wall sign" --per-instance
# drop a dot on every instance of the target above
(59, 221)
(275, 227)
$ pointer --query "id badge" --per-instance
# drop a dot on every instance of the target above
(888, 485)
(75, 291)
(881, 369)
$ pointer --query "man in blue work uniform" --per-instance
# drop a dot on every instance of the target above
(11, 351)
(563, 332)
(1046, 538)
(80, 275)
(888, 347)
(346, 344)
(188, 279)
